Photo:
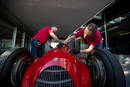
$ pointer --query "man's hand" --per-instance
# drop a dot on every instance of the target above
(60, 45)
(75, 51)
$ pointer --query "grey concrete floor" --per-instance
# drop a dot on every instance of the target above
(126, 69)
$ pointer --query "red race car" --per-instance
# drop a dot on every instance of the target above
(59, 68)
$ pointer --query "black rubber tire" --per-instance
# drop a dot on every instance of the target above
(6, 62)
(4, 56)
(114, 73)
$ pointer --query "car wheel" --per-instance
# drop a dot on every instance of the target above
(105, 69)
(13, 64)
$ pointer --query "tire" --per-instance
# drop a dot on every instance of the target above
(11, 60)
(105, 69)
(3, 57)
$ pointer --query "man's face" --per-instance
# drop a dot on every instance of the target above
(54, 29)
(87, 33)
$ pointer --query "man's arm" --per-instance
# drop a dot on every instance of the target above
(87, 50)
(69, 39)
(54, 37)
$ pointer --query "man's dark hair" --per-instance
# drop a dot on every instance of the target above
(92, 27)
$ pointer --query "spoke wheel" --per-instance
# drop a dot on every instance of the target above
(97, 71)
(18, 69)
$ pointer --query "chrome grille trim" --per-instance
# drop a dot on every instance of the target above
(57, 82)
(54, 76)
(56, 71)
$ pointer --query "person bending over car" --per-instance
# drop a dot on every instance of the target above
(92, 37)
(38, 41)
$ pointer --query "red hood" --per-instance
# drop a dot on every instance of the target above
(59, 57)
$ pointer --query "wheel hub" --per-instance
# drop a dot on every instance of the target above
(97, 71)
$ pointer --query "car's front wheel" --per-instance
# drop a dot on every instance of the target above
(13, 64)
(105, 69)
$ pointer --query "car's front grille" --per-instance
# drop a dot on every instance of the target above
(54, 76)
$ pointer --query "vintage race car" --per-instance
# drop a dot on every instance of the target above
(60, 68)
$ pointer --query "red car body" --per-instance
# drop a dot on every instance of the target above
(59, 57)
